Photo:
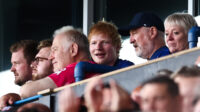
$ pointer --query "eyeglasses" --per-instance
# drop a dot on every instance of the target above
(40, 59)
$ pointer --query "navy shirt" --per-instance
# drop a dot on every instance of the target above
(122, 63)
(163, 51)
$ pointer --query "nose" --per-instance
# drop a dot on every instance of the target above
(99, 46)
(34, 64)
(132, 39)
(151, 106)
(169, 37)
(51, 56)
(13, 68)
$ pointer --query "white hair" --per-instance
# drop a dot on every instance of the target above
(62, 30)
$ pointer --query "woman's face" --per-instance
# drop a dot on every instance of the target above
(176, 38)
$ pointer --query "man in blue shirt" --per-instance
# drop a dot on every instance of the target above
(146, 32)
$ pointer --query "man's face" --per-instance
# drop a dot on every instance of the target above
(20, 68)
(140, 38)
(102, 50)
(176, 38)
(60, 52)
(186, 88)
(155, 98)
(43, 66)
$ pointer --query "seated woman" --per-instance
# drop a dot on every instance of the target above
(177, 26)
(104, 45)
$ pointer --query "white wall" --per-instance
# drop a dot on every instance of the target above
(7, 83)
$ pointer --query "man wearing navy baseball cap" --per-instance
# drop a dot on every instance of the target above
(146, 32)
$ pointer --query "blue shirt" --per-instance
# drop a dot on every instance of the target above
(84, 67)
(163, 51)
(122, 63)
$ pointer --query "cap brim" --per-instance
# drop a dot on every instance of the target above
(125, 31)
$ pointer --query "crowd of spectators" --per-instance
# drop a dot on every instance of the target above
(51, 64)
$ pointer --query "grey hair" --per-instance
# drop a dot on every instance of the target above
(63, 30)
(185, 20)
(76, 36)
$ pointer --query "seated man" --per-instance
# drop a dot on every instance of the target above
(187, 78)
(105, 44)
(160, 94)
(23, 54)
(42, 66)
(146, 32)
(69, 47)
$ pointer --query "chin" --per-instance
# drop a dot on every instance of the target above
(173, 50)
(100, 62)
(55, 70)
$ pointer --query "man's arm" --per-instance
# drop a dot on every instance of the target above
(31, 88)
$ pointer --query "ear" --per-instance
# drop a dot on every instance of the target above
(153, 32)
(118, 49)
(74, 49)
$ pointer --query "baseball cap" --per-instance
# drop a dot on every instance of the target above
(146, 19)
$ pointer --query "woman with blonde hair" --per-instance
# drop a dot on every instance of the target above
(177, 26)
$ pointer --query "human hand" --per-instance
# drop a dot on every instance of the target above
(121, 99)
(68, 101)
(135, 95)
(93, 95)
(8, 99)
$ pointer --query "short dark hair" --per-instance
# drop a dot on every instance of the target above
(29, 49)
(44, 43)
(187, 71)
(172, 87)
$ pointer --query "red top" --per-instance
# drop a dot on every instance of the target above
(66, 76)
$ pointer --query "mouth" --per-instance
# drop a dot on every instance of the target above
(34, 71)
(135, 46)
(171, 44)
(100, 55)
(15, 74)
(54, 62)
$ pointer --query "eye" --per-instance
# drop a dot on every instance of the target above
(145, 101)
(166, 34)
(176, 33)
(53, 49)
(16, 63)
(40, 59)
(133, 33)
(92, 43)
(106, 42)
